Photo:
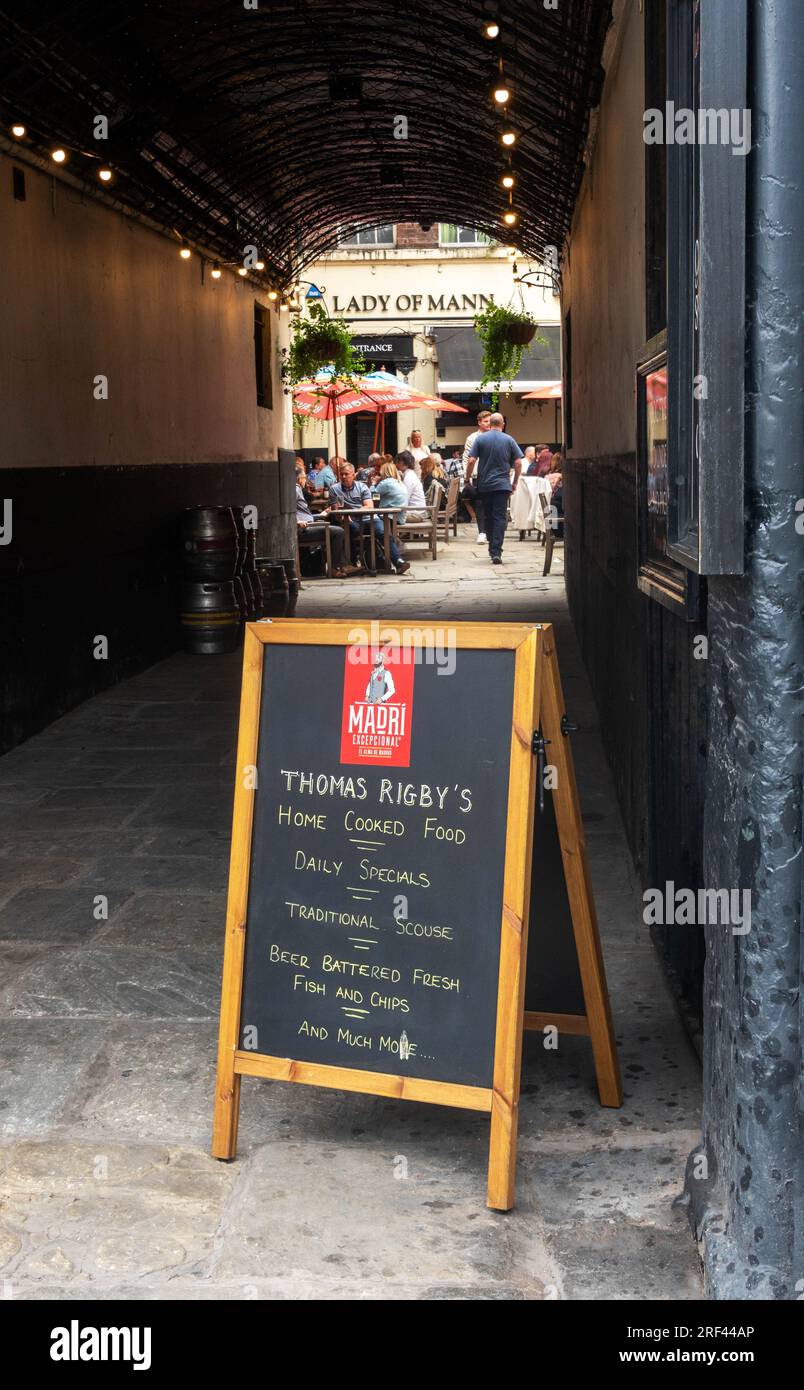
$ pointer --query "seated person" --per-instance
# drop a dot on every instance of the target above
(417, 504)
(389, 491)
(542, 465)
(315, 527)
(555, 480)
(433, 472)
(301, 471)
(321, 475)
(350, 493)
(354, 495)
(370, 473)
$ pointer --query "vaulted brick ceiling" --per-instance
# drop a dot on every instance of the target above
(275, 125)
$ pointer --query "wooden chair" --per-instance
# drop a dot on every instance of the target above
(427, 529)
(305, 542)
(550, 532)
(449, 513)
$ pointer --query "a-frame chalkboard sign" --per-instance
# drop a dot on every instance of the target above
(379, 887)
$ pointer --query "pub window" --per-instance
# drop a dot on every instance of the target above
(371, 236)
(706, 64)
(658, 575)
(451, 235)
(262, 356)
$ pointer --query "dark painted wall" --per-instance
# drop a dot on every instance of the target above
(96, 551)
(651, 697)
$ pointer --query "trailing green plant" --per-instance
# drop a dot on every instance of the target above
(504, 333)
(319, 342)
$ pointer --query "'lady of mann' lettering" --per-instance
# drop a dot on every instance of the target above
(381, 683)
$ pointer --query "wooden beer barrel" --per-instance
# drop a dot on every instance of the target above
(210, 619)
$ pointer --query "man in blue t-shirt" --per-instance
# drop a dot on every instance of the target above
(495, 454)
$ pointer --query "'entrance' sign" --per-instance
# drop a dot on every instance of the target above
(380, 876)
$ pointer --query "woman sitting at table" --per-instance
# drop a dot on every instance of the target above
(389, 491)
(433, 472)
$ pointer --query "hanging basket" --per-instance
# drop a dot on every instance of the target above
(325, 349)
(518, 333)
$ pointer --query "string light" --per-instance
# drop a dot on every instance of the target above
(508, 180)
(491, 29)
(272, 294)
(509, 218)
(259, 265)
(58, 155)
(241, 270)
(105, 175)
(216, 271)
(502, 95)
(185, 252)
(18, 131)
(508, 137)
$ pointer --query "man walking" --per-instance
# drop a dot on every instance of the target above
(469, 494)
(495, 454)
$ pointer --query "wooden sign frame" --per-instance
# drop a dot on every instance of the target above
(536, 702)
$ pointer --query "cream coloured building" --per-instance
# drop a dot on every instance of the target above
(410, 295)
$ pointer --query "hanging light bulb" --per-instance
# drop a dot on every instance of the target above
(491, 29)
(241, 270)
(502, 94)
(283, 305)
(58, 155)
(216, 271)
(184, 251)
(509, 218)
(259, 265)
(507, 180)
(272, 294)
(508, 137)
(105, 175)
(18, 131)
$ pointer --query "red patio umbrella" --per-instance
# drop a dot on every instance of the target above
(551, 391)
(327, 398)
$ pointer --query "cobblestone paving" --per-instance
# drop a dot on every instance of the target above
(115, 827)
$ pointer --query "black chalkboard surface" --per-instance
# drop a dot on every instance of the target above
(373, 928)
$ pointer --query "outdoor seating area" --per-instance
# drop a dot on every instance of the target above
(379, 518)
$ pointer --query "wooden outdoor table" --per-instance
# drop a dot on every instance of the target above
(391, 512)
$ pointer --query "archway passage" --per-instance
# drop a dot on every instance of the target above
(285, 124)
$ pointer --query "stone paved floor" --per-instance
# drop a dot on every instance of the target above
(107, 1034)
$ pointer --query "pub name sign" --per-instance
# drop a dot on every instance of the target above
(409, 303)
